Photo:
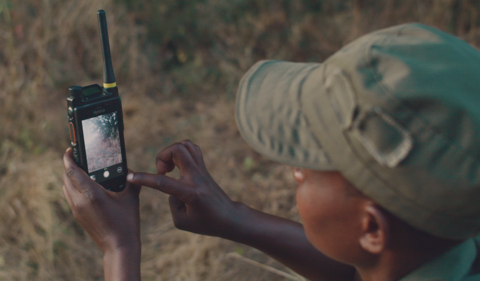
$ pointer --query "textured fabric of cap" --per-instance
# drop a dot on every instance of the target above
(270, 118)
(397, 112)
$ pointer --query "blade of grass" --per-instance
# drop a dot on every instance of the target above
(265, 267)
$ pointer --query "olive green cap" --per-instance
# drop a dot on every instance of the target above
(397, 112)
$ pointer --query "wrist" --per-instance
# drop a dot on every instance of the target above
(258, 229)
(239, 224)
(122, 263)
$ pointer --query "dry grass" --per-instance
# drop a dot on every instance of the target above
(48, 45)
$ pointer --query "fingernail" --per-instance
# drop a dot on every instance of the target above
(130, 177)
(298, 174)
(68, 149)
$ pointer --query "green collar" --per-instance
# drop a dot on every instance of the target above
(454, 265)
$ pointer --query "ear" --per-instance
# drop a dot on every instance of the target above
(375, 229)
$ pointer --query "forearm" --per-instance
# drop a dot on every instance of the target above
(285, 241)
(122, 264)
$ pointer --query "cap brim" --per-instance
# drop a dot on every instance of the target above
(270, 118)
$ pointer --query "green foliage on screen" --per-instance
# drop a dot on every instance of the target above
(107, 125)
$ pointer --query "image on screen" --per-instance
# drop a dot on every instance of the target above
(102, 141)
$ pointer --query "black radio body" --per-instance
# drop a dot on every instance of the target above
(96, 125)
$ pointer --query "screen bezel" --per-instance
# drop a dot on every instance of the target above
(94, 110)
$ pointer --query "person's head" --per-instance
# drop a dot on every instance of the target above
(346, 225)
(393, 118)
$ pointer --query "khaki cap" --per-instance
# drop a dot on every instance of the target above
(397, 112)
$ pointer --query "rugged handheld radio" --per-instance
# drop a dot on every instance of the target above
(96, 124)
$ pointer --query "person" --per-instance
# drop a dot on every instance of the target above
(383, 138)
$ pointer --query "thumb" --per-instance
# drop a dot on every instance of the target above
(77, 177)
(160, 182)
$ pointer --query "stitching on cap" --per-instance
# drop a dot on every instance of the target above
(399, 153)
(437, 134)
(425, 123)
(253, 142)
(300, 105)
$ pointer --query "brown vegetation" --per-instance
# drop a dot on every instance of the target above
(174, 87)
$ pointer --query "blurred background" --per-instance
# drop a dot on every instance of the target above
(177, 64)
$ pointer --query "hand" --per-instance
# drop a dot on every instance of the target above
(197, 203)
(111, 219)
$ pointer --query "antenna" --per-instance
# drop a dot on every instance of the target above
(108, 76)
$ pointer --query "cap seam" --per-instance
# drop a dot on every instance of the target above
(425, 123)
(300, 105)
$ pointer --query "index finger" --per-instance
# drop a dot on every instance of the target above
(161, 183)
(174, 155)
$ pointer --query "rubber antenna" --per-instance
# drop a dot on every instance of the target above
(108, 76)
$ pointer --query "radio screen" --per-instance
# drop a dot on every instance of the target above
(102, 146)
